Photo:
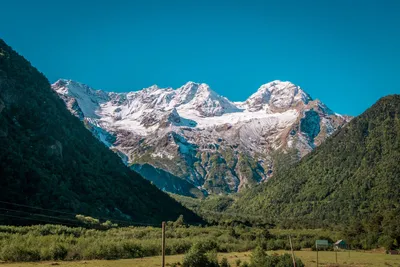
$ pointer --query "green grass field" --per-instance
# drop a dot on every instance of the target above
(308, 257)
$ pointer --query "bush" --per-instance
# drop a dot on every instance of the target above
(208, 245)
(259, 258)
(19, 253)
(386, 242)
(58, 252)
(196, 257)
(178, 247)
(180, 222)
(286, 261)
(132, 250)
(212, 258)
(224, 262)
(280, 244)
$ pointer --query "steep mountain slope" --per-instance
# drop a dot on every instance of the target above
(201, 141)
(355, 174)
(49, 160)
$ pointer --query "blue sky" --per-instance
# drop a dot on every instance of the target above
(346, 53)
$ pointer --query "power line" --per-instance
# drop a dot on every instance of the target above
(75, 223)
(32, 207)
(125, 222)
(41, 215)
(30, 219)
(129, 223)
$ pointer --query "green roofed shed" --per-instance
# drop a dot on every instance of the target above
(340, 244)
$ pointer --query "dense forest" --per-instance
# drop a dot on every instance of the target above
(50, 161)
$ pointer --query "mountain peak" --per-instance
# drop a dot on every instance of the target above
(154, 87)
(61, 82)
(277, 95)
(194, 87)
(189, 83)
(88, 98)
(200, 97)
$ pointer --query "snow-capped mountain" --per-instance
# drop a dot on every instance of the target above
(191, 140)
(277, 96)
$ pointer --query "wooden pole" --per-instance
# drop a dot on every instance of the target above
(291, 248)
(163, 244)
(336, 254)
(317, 253)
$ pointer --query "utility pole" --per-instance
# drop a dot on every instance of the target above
(336, 254)
(291, 248)
(163, 244)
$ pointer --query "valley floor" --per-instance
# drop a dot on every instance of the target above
(358, 259)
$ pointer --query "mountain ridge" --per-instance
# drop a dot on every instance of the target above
(49, 160)
(201, 137)
(353, 176)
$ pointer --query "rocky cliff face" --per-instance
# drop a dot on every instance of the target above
(193, 141)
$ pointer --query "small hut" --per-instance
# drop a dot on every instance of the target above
(340, 244)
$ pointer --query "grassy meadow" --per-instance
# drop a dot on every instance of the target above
(326, 258)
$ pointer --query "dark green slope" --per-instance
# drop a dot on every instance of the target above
(354, 175)
(49, 160)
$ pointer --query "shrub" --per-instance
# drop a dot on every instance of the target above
(109, 224)
(224, 262)
(208, 245)
(180, 222)
(197, 257)
(178, 247)
(19, 253)
(258, 257)
(387, 242)
(271, 245)
(212, 258)
(87, 219)
(58, 252)
(132, 250)
(286, 261)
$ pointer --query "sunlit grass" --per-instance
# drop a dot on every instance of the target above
(308, 257)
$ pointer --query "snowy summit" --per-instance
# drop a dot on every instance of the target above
(183, 131)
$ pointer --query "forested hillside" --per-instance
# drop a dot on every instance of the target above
(49, 160)
(353, 177)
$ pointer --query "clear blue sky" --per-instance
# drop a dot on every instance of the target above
(344, 52)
